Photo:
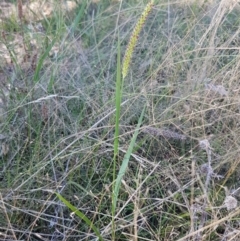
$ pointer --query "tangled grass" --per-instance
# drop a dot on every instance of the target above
(58, 122)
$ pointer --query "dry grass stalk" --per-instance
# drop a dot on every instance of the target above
(20, 10)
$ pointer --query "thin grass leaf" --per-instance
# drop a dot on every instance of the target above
(42, 58)
(118, 99)
(51, 83)
(80, 215)
(126, 158)
(79, 17)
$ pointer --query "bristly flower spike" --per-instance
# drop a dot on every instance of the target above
(134, 38)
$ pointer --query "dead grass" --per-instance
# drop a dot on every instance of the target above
(183, 177)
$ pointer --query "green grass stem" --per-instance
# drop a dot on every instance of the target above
(80, 215)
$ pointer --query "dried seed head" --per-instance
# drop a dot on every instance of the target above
(206, 169)
(230, 202)
(20, 9)
(164, 133)
(204, 144)
(219, 89)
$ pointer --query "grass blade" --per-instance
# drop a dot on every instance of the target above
(126, 158)
(118, 98)
(42, 58)
(80, 215)
(79, 16)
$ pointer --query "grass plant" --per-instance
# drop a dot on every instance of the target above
(130, 116)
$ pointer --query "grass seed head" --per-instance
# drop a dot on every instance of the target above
(134, 38)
